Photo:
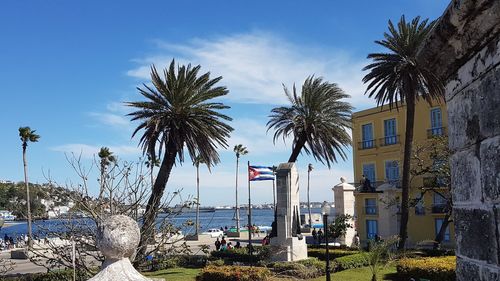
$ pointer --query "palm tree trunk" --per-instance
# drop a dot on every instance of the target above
(148, 227)
(297, 148)
(28, 201)
(410, 120)
(308, 201)
(197, 199)
(237, 207)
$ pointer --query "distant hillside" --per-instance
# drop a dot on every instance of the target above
(13, 198)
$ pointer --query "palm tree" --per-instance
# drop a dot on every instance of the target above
(397, 77)
(27, 135)
(197, 161)
(239, 150)
(179, 112)
(107, 158)
(309, 170)
(317, 119)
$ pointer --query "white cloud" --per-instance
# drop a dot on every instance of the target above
(88, 151)
(254, 65)
(111, 119)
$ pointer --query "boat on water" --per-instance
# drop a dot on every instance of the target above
(188, 209)
(6, 215)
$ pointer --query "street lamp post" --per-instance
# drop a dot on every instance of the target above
(325, 211)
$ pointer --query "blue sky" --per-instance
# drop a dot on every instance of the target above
(67, 67)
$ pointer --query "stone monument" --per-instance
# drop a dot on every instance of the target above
(288, 244)
(343, 196)
(118, 238)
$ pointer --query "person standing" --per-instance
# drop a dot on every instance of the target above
(315, 236)
(320, 236)
(217, 244)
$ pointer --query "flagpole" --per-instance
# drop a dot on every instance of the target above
(249, 213)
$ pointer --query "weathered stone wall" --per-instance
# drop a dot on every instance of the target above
(464, 49)
(474, 118)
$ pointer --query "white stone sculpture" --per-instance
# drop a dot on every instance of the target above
(118, 238)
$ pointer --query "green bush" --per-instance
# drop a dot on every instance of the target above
(350, 261)
(234, 273)
(242, 256)
(320, 253)
(432, 268)
(57, 275)
(305, 269)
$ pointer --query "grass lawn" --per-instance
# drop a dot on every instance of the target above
(175, 274)
(362, 274)
(357, 274)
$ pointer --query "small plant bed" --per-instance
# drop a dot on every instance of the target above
(320, 253)
(175, 274)
(432, 268)
(234, 273)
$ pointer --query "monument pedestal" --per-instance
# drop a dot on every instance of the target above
(289, 244)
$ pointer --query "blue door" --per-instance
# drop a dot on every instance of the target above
(369, 172)
(367, 137)
(390, 131)
(436, 122)
(371, 229)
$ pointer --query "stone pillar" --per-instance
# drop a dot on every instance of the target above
(343, 196)
(117, 239)
(288, 245)
(464, 50)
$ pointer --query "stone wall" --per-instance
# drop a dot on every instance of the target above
(464, 49)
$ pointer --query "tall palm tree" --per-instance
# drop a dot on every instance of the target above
(317, 119)
(309, 170)
(397, 78)
(27, 135)
(197, 161)
(107, 158)
(179, 112)
(239, 150)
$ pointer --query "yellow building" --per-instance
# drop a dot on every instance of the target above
(378, 145)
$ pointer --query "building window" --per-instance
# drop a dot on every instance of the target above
(392, 172)
(439, 203)
(419, 207)
(367, 136)
(390, 132)
(369, 172)
(371, 229)
(436, 122)
(438, 224)
(371, 206)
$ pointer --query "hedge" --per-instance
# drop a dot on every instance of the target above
(432, 268)
(350, 261)
(333, 253)
(241, 255)
(57, 275)
(234, 273)
(304, 269)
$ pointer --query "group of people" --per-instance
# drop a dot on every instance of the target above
(9, 242)
(317, 236)
(223, 245)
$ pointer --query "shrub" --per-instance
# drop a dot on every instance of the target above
(320, 253)
(350, 261)
(242, 256)
(432, 268)
(234, 273)
(57, 275)
(305, 269)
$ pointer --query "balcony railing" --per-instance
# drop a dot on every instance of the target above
(366, 144)
(389, 140)
(370, 210)
(436, 132)
(433, 182)
(439, 208)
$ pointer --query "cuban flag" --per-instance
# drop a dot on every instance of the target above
(260, 173)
